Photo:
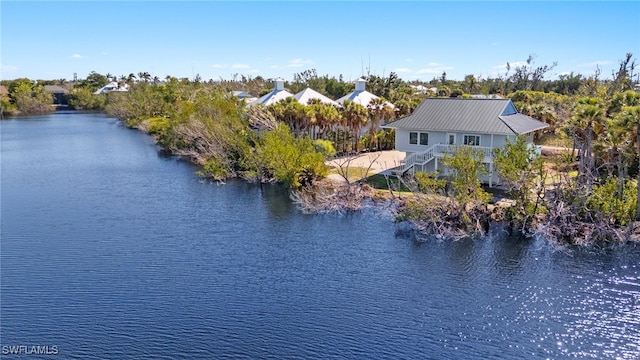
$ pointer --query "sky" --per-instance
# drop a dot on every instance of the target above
(418, 40)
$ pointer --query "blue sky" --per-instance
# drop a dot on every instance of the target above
(216, 39)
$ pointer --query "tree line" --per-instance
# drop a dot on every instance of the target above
(595, 181)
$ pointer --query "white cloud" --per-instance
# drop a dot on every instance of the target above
(434, 70)
(254, 71)
(240, 66)
(501, 69)
(77, 56)
(595, 63)
(276, 67)
(8, 68)
(299, 62)
(408, 60)
(402, 70)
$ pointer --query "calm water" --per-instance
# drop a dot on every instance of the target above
(110, 250)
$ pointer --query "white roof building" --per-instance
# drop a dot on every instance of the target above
(361, 95)
(278, 93)
(308, 94)
(112, 86)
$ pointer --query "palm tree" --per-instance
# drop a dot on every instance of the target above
(145, 76)
(587, 122)
(326, 116)
(130, 79)
(355, 117)
(630, 118)
(378, 109)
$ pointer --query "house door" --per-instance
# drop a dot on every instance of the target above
(451, 139)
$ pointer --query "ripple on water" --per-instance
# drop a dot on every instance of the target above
(111, 251)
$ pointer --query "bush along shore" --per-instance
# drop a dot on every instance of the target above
(586, 192)
(561, 197)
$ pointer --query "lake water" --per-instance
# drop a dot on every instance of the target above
(111, 250)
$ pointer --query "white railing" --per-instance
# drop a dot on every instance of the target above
(438, 150)
(442, 149)
(417, 158)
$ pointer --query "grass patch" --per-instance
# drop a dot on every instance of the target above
(352, 173)
(378, 181)
(554, 140)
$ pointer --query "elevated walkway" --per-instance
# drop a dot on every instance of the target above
(434, 152)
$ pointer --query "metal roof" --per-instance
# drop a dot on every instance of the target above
(484, 116)
(273, 97)
(361, 97)
(523, 124)
(307, 94)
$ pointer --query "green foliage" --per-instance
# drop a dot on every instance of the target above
(467, 167)
(325, 147)
(215, 168)
(93, 82)
(29, 97)
(616, 207)
(519, 167)
(292, 161)
(429, 183)
(82, 98)
(6, 107)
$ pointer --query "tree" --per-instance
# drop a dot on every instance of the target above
(630, 117)
(623, 78)
(355, 117)
(292, 161)
(29, 97)
(470, 84)
(520, 168)
(94, 81)
(378, 110)
(586, 124)
(326, 117)
(466, 167)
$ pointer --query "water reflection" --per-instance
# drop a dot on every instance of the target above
(109, 248)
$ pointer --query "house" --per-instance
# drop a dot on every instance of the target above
(112, 86)
(278, 93)
(490, 96)
(308, 94)
(360, 95)
(441, 125)
(60, 94)
(243, 95)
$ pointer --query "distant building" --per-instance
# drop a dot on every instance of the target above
(243, 95)
(360, 95)
(421, 89)
(60, 94)
(278, 93)
(490, 96)
(308, 94)
(112, 86)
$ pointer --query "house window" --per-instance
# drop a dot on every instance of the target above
(422, 137)
(413, 138)
(451, 139)
(472, 140)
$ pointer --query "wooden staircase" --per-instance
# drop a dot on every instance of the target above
(417, 158)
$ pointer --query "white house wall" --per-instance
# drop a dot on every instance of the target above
(436, 137)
